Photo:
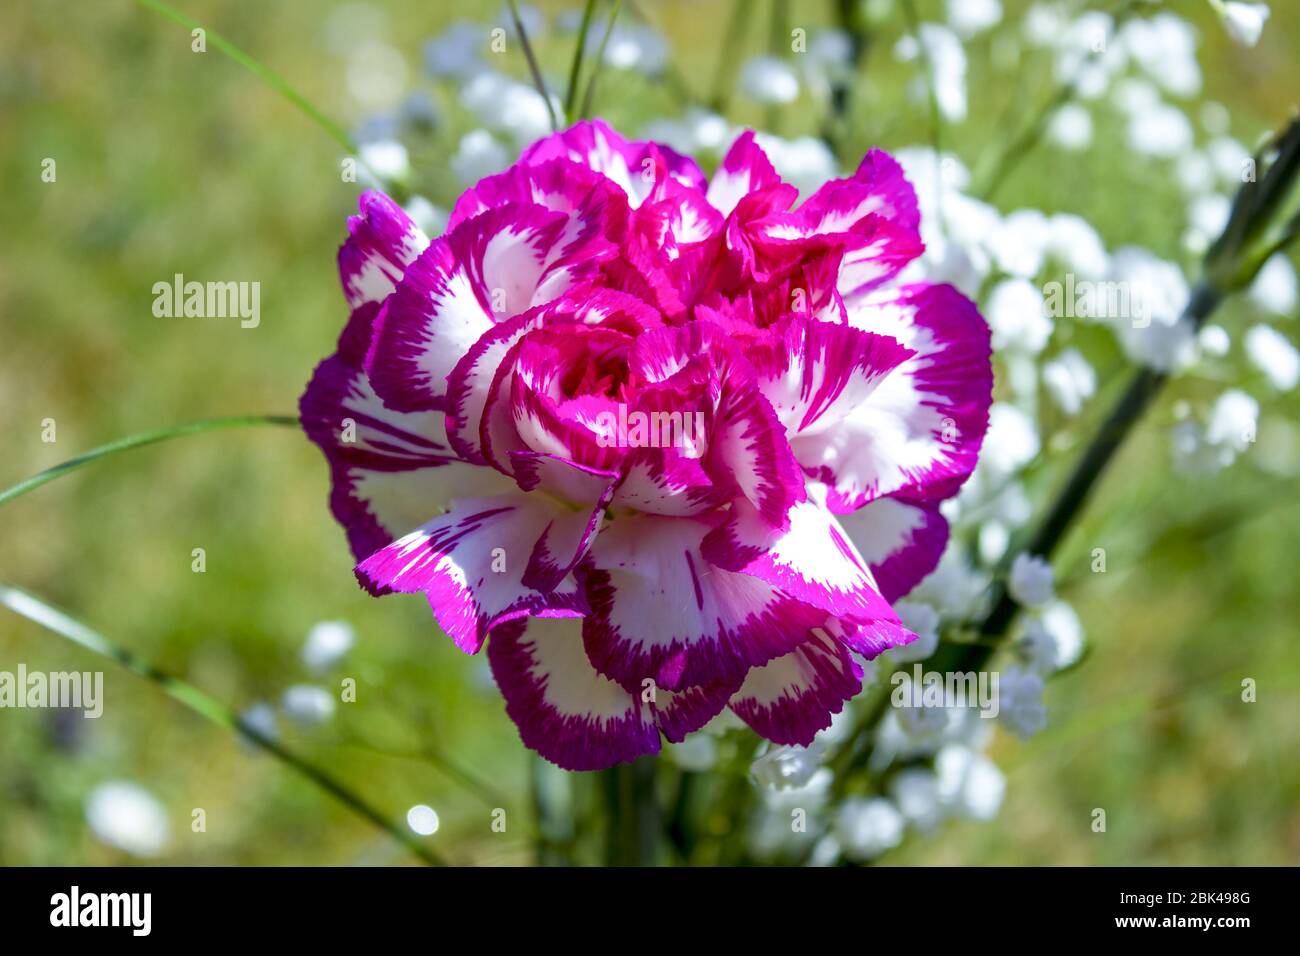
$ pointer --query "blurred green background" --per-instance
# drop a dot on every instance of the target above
(171, 161)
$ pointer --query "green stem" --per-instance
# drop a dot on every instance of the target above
(589, 96)
(995, 173)
(673, 80)
(271, 78)
(575, 68)
(779, 47)
(37, 611)
(724, 74)
(533, 67)
(550, 831)
(631, 814)
(138, 441)
(1023, 143)
(835, 126)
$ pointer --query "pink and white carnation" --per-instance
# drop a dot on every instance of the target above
(663, 443)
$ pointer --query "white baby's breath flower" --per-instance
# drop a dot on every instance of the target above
(947, 63)
(923, 621)
(1165, 47)
(1229, 158)
(867, 827)
(1275, 289)
(1272, 354)
(1053, 638)
(1020, 702)
(1030, 581)
(126, 816)
(969, 783)
(994, 539)
(827, 61)
(921, 723)
(1195, 172)
(1233, 421)
(1019, 245)
(1243, 21)
(426, 215)
(1228, 431)
(1071, 127)
(970, 17)
(260, 719)
(1011, 441)
(1153, 332)
(1214, 340)
(953, 587)
(507, 106)
(307, 705)
(1044, 24)
(422, 819)
(478, 155)
(1074, 242)
(784, 768)
(1207, 215)
(1162, 130)
(916, 793)
(1070, 380)
(635, 47)
(387, 159)
(1017, 316)
(326, 644)
(805, 163)
(769, 79)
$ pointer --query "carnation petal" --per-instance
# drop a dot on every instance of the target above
(471, 563)
(490, 268)
(788, 700)
(389, 470)
(812, 560)
(745, 169)
(660, 611)
(901, 540)
(921, 429)
(630, 165)
(382, 242)
(816, 373)
(564, 709)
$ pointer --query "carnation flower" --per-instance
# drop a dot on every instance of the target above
(663, 444)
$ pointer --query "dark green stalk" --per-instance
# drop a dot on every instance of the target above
(533, 67)
(575, 68)
(778, 46)
(1126, 413)
(632, 824)
(993, 627)
(836, 124)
